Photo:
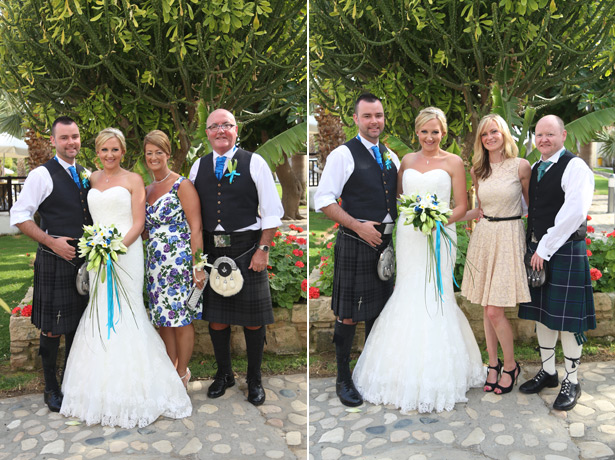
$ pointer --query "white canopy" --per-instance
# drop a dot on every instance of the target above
(12, 147)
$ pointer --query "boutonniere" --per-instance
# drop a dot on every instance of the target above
(84, 175)
(387, 159)
(232, 171)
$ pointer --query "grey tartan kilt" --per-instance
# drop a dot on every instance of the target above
(358, 293)
(56, 305)
(566, 301)
(249, 307)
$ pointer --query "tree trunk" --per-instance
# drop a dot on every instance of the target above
(291, 190)
(299, 167)
(588, 153)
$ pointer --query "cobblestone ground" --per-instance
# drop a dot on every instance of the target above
(512, 426)
(225, 428)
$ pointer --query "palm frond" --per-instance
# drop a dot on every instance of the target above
(290, 142)
(583, 130)
(396, 145)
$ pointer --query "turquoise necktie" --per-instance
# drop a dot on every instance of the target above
(542, 168)
(377, 155)
(73, 172)
(220, 167)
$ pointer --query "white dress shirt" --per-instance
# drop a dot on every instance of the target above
(271, 209)
(338, 169)
(578, 187)
(37, 187)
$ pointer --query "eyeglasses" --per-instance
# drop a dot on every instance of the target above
(222, 127)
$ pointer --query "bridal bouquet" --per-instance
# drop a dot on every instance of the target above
(426, 213)
(101, 245)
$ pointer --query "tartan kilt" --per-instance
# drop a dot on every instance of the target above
(358, 292)
(55, 293)
(566, 301)
(249, 307)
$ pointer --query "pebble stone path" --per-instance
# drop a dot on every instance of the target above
(489, 426)
(225, 428)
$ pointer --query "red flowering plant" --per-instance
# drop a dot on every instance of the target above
(323, 262)
(26, 310)
(601, 253)
(287, 268)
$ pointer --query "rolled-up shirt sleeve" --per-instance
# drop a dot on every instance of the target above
(37, 187)
(270, 205)
(578, 186)
(338, 169)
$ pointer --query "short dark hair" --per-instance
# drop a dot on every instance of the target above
(367, 97)
(64, 120)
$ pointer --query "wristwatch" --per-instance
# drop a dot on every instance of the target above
(263, 247)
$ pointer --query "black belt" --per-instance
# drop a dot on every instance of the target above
(499, 219)
(236, 237)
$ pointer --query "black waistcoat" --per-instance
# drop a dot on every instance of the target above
(547, 198)
(65, 211)
(233, 206)
(370, 193)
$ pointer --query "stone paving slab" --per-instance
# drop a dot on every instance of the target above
(489, 426)
(225, 428)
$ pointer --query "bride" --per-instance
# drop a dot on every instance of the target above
(125, 379)
(421, 354)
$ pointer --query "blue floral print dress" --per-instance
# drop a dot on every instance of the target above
(169, 261)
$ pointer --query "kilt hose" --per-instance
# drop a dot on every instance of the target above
(566, 301)
(56, 305)
(358, 293)
(252, 305)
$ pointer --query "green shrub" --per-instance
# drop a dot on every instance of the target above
(601, 260)
(287, 269)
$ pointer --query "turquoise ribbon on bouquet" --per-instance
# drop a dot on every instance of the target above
(439, 230)
(110, 288)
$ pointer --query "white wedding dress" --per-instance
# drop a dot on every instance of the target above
(127, 379)
(421, 353)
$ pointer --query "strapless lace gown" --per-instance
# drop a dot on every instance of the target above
(127, 380)
(421, 354)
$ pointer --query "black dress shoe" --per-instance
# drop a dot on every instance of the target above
(53, 399)
(540, 381)
(568, 395)
(220, 384)
(348, 393)
(256, 392)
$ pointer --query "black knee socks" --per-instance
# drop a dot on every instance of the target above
(255, 342)
(343, 335)
(221, 340)
(48, 350)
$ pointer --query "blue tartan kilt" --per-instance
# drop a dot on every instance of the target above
(566, 301)
(358, 293)
(56, 305)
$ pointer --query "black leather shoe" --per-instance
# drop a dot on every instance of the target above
(256, 392)
(53, 399)
(568, 395)
(348, 393)
(540, 381)
(220, 384)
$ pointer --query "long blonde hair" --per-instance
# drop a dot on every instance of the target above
(480, 160)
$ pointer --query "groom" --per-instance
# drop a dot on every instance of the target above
(364, 174)
(57, 190)
(561, 192)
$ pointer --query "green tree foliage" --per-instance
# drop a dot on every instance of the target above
(143, 65)
(451, 54)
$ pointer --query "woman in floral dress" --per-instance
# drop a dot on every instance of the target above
(173, 218)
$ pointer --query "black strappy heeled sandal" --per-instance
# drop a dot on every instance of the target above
(514, 375)
(498, 370)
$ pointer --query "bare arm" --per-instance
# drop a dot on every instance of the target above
(58, 245)
(260, 259)
(365, 230)
(460, 195)
(525, 172)
(475, 213)
(191, 204)
(137, 191)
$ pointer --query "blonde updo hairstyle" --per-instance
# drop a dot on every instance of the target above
(159, 139)
(480, 160)
(110, 133)
(428, 114)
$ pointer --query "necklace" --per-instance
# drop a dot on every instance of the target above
(112, 175)
(428, 158)
(161, 180)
